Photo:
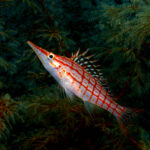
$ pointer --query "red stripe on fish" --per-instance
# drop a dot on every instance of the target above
(91, 87)
(80, 76)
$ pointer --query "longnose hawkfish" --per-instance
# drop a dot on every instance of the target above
(78, 76)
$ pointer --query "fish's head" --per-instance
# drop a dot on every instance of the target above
(47, 58)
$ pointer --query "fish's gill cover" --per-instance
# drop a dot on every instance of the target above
(34, 114)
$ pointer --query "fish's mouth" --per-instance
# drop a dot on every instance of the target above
(41, 53)
(38, 49)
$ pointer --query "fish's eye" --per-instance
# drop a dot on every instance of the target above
(51, 56)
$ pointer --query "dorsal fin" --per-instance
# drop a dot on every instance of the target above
(91, 67)
(88, 63)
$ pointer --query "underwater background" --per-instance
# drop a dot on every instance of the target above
(34, 111)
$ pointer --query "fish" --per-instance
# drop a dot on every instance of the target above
(79, 76)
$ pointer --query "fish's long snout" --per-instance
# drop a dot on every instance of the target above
(37, 48)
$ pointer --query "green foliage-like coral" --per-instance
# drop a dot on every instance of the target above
(34, 112)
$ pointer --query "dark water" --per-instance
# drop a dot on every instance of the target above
(34, 112)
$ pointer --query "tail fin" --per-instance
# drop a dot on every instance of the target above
(125, 118)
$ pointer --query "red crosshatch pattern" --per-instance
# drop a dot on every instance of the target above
(88, 88)
(76, 80)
